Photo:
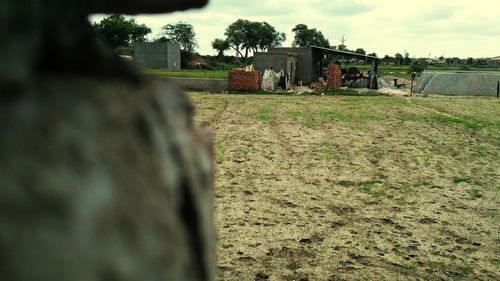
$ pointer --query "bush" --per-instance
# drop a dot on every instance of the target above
(418, 66)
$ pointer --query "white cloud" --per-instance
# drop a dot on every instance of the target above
(460, 28)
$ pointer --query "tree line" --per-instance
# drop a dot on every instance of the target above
(242, 36)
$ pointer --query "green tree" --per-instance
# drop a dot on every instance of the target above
(407, 59)
(182, 34)
(220, 45)
(399, 58)
(305, 37)
(235, 34)
(342, 47)
(269, 37)
(245, 36)
(116, 31)
(360, 51)
(418, 65)
(373, 54)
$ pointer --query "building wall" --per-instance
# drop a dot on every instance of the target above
(157, 55)
(174, 56)
(494, 63)
(263, 61)
(277, 61)
(305, 62)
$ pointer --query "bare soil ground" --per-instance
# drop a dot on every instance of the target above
(355, 188)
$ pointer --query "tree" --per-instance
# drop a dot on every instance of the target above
(220, 45)
(342, 47)
(399, 58)
(373, 54)
(116, 31)
(243, 35)
(235, 34)
(182, 34)
(407, 59)
(269, 37)
(418, 65)
(360, 51)
(305, 37)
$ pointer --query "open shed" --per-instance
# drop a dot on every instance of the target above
(309, 65)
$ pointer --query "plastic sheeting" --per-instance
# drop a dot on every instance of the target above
(270, 79)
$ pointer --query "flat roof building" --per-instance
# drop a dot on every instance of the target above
(309, 65)
(157, 55)
(494, 62)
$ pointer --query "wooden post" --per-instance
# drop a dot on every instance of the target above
(498, 89)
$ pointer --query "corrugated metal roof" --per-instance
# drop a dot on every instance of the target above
(335, 51)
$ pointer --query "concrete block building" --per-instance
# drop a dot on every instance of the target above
(157, 55)
(494, 62)
(309, 61)
(277, 61)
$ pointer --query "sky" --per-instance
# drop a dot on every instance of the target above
(423, 28)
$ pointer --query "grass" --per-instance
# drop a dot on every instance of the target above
(473, 124)
(410, 185)
(393, 70)
(404, 71)
(188, 73)
(264, 113)
(459, 179)
(328, 152)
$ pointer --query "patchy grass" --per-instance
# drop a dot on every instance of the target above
(264, 113)
(188, 73)
(343, 187)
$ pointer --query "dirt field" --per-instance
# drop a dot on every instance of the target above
(355, 188)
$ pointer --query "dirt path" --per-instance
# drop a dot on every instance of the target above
(355, 188)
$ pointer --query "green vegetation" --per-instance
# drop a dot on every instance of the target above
(188, 73)
(314, 186)
(116, 31)
(402, 71)
(328, 152)
(264, 113)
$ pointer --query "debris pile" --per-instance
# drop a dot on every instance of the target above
(321, 84)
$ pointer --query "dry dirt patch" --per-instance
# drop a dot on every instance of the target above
(343, 188)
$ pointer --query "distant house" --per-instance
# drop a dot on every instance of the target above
(157, 55)
(494, 62)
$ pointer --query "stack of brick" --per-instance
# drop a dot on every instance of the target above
(240, 80)
(334, 76)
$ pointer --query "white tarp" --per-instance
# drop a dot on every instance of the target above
(270, 79)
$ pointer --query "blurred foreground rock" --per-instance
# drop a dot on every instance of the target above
(102, 177)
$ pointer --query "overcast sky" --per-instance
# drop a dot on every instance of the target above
(462, 28)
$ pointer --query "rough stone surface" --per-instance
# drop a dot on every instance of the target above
(102, 173)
